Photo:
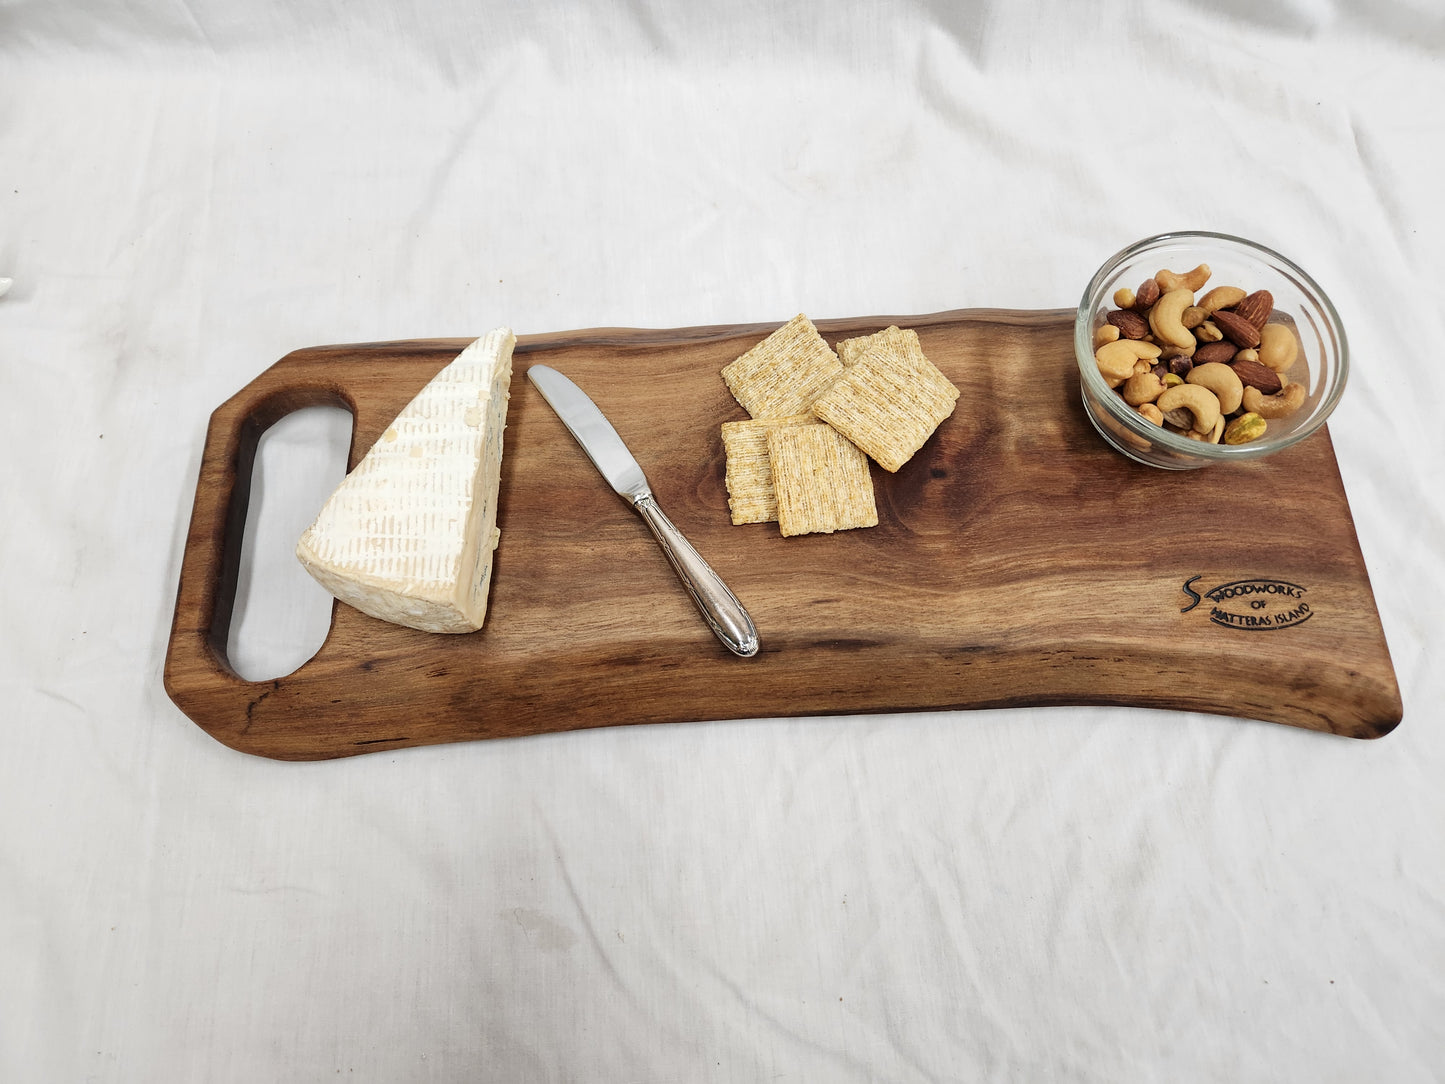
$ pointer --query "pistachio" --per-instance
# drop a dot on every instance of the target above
(1245, 428)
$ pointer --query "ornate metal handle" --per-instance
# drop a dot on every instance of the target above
(719, 606)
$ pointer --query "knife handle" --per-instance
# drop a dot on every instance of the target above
(719, 606)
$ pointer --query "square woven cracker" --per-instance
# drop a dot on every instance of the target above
(822, 481)
(785, 372)
(751, 497)
(889, 402)
(850, 350)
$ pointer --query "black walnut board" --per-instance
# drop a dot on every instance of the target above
(1018, 560)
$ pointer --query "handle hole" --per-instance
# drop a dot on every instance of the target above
(282, 616)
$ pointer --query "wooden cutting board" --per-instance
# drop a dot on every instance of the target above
(1018, 561)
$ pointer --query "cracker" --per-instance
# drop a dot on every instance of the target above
(850, 350)
(751, 497)
(785, 372)
(822, 481)
(889, 402)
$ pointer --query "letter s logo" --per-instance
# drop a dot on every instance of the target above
(1193, 594)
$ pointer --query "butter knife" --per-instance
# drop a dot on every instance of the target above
(718, 606)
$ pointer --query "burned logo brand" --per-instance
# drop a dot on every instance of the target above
(1252, 605)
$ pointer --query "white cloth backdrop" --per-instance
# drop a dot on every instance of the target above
(188, 190)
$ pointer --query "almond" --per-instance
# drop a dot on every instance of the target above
(1146, 295)
(1254, 374)
(1223, 350)
(1237, 329)
(1256, 308)
(1130, 324)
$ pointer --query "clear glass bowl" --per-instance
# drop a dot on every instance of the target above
(1322, 365)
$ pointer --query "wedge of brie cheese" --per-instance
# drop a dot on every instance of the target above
(408, 535)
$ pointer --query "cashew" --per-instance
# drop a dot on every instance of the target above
(1208, 332)
(1277, 347)
(1281, 404)
(1152, 413)
(1190, 280)
(1211, 437)
(1223, 381)
(1192, 317)
(1116, 359)
(1124, 298)
(1201, 403)
(1164, 318)
(1172, 351)
(1142, 388)
(1141, 366)
(1221, 297)
(1246, 355)
(1105, 333)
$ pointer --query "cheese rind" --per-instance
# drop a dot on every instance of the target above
(408, 536)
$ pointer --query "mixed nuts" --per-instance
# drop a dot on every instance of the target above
(1212, 368)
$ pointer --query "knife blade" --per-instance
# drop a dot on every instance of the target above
(719, 606)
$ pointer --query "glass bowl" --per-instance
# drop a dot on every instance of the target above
(1322, 364)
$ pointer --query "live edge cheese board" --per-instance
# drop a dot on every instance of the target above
(1018, 560)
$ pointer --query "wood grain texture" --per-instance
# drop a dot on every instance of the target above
(1018, 561)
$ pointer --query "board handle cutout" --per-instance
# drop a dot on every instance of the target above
(281, 616)
(206, 597)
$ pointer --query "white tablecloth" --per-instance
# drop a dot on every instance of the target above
(189, 189)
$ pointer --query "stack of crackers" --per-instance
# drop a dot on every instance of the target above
(817, 417)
